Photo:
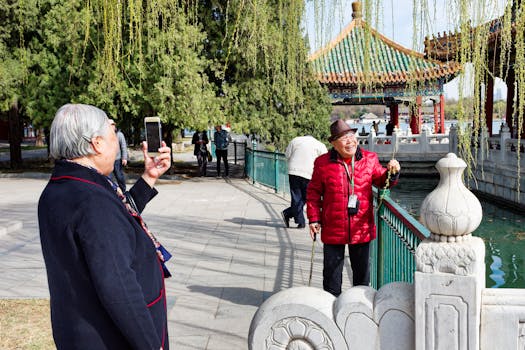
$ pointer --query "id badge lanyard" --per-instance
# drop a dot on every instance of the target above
(350, 177)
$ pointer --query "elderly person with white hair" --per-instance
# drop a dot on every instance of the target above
(105, 269)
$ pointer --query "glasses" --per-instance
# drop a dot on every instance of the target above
(347, 137)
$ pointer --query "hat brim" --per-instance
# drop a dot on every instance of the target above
(335, 137)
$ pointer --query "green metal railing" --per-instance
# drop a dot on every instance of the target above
(398, 235)
(392, 254)
(267, 168)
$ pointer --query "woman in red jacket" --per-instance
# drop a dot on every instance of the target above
(339, 200)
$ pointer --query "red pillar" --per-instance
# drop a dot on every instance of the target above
(394, 114)
(489, 103)
(436, 120)
(416, 116)
(419, 105)
(413, 120)
(442, 113)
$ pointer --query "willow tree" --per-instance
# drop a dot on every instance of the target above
(147, 62)
(22, 56)
(260, 68)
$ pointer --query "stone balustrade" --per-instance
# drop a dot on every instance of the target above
(447, 307)
(503, 149)
(423, 147)
(499, 164)
(500, 168)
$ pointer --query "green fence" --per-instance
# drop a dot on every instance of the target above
(398, 233)
(267, 168)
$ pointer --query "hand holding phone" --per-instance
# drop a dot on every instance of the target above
(155, 165)
(153, 134)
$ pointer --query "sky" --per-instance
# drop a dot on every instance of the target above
(396, 23)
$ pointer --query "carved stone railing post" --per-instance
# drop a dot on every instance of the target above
(504, 135)
(423, 141)
(450, 274)
(371, 139)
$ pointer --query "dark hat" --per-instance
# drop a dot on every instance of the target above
(338, 129)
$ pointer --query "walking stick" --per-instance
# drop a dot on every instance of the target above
(312, 260)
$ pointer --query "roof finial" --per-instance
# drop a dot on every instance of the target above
(356, 9)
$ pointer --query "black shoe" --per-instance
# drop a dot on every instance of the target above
(301, 226)
(285, 219)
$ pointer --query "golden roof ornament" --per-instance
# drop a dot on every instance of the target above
(356, 10)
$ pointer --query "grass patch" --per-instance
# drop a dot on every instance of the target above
(25, 324)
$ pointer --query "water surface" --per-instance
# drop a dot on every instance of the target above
(502, 230)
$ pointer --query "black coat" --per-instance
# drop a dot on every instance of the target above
(105, 280)
(198, 147)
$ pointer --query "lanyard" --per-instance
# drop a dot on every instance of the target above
(350, 177)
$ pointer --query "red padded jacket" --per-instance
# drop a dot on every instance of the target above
(328, 192)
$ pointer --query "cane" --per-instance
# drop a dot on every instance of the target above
(312, 260)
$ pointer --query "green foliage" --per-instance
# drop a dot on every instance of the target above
(194, 64)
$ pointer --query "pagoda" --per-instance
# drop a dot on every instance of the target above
(389, 75)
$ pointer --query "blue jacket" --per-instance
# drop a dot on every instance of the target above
(221, 139)
(105, 280)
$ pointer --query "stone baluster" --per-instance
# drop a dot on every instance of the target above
(372, 140)
(504, 135)
(395, 140)
(423, 141)
(483, 143)
(450, 274)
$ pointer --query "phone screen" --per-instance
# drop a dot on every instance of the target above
(153, 136)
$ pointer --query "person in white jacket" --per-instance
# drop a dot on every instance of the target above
(301, 154)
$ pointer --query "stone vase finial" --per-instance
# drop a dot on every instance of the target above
(451, 210)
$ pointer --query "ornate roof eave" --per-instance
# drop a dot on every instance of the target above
(444, 47)
(439, 71)
(445, 73)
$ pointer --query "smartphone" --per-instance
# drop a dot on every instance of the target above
(153, 133)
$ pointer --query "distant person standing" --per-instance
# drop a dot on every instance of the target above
(390, 128)
(122, 157)
(222, 139)
(200, 140)
(375, 126)
(301, 154)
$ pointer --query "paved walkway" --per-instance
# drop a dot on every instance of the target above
(230, 253)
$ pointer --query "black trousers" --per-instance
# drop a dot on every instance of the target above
(333, 258)
(298, 187)
(202, 160)
(222, 153)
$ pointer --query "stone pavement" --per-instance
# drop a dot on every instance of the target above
(230, 253)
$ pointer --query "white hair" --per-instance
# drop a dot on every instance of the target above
(73, 128)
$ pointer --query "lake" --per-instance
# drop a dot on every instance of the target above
(502, 229)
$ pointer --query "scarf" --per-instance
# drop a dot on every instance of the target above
(162, 254)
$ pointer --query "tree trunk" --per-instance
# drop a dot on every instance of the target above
(15, 137)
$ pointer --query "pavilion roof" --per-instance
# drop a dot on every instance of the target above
(343, 62)
(445, 47)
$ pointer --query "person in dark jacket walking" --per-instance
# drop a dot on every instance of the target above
(339, 204)
(105, 269)
(221, 138)
(200, 140)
